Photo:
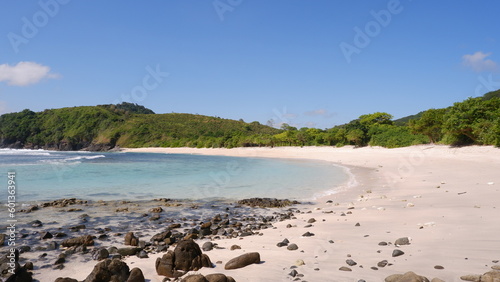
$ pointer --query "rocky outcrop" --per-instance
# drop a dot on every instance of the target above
(85, 240)
(187, 256)
(8, 264)
(267, 202)
(131, 240)
(111, 270)
(243, 260)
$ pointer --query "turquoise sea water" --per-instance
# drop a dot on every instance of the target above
(47, 175)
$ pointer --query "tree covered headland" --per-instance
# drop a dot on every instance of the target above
(103, 127)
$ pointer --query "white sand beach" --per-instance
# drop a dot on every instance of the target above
(447, 200)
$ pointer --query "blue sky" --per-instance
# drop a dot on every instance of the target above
(307, 63)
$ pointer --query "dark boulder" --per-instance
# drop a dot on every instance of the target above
(109, 270)
(187, 256)
(136, 275)
(243, 260)
(85, 240)
(130, 239)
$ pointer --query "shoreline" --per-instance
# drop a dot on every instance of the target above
(444, 198)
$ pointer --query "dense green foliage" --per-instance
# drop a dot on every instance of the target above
(473, 121)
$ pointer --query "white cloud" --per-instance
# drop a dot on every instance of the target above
(319, 113)
(25, 73)
(478, 62)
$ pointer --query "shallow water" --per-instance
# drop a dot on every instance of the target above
(47, 175)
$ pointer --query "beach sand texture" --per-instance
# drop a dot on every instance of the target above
(446, 200)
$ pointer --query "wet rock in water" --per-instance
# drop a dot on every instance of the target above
(35, 223)
(131, 240)
(128, 251)
(85, 240)
(235, 247)
(350, 262)
(174, 226)
(60, 235)
(160, 237)
(382, 263)
(242, 261)
(65, 279)
(109, 270)
(154, 217)
(402, 241)
(100, 254)
(207, 246)
(156, 210)
(61, 203)
(407, 277)
(345, 268)
(46, 235)
(187, 256)
(52, 246)
(24, 249)
(77, 228)
(206, 225)
(292, 247)
(2, 239)
(267, 202)
(397, 253)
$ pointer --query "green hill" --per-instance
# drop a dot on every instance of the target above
(96, 128)
(127, 125)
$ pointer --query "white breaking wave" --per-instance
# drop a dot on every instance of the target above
(85, 158)
(25, 152)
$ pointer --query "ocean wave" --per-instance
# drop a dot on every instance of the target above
(25, 152)
(85, 158)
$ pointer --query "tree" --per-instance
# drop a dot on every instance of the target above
(430, 124)
(376, 118)
(356, 136)
(471, 121)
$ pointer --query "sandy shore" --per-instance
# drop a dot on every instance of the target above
(447, 200)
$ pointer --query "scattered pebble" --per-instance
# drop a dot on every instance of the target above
(397, 253)
(299, 262)
(345, 268)
(292, 247)
(351, 262)
(438, 267)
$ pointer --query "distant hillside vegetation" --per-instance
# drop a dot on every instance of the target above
(473, 121)
(127, 125)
